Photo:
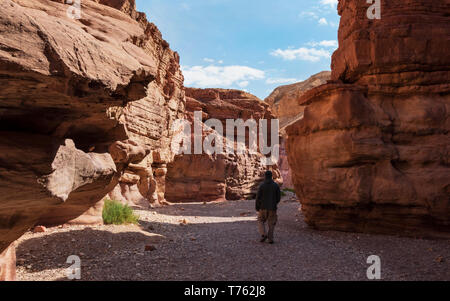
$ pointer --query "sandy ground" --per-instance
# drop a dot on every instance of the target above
(219, 241)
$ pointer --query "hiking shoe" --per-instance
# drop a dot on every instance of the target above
(263, 239)
(271, 242)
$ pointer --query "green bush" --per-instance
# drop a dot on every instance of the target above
(289, 189)
(115, 213)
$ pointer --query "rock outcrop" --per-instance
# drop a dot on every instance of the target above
(283, 100)
(8, 264)
(219, 177)
(372, 151)
(86, 107)
(284, 104)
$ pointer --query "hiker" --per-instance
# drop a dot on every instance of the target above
(267, 200)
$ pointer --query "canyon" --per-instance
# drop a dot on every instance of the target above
(88, 107)
(220, 176)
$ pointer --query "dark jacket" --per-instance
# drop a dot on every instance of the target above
(269, 195)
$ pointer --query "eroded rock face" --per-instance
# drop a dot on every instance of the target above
(8, 264)
(83, 104)
(371, 153)
(218, 177)
(284, 104)
(283, 100)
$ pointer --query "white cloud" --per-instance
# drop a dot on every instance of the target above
(309, 14)
(243, 84)
(302, 53)
(211, 61)
(331, 3)
(271, 81)
(323, 21)
(324, 43)
(322, 12)
(220, 76)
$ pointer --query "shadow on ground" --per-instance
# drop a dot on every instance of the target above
(217, 250)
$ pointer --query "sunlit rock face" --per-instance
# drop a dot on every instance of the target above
(86, 107)
(372, 151)
(8, 264)
(219, 177)
(284, 104)
(283, 101)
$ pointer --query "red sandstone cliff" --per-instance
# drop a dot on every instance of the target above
(284, 104)
(372, 151)
(219, 177)
(86, 108)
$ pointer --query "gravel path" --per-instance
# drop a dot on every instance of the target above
(219, 241)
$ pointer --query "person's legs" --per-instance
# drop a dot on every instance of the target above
(272, 220)
(262, 218)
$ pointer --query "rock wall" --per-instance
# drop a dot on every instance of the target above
(8, 264)
(218, 177)
(284, 104)
(372, 151)
(85, 106)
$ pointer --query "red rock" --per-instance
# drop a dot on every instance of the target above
(149, 248)
(8, 264)
(284, 104)
(283, 100)
(86, 107)
(218, 177)
(371, 153)
(39, 229)
(440, 259)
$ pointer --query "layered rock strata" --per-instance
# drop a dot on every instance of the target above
(85, 105)
(219, 177)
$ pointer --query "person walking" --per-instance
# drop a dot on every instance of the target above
(267, 200)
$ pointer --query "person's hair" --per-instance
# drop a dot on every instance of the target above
(269, 174)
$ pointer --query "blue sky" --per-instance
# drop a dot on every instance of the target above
(252, 45)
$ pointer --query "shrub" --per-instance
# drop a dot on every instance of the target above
(115, 213)
(289, 189)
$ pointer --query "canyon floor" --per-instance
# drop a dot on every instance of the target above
(219, 241)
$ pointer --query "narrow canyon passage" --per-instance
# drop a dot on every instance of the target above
(219, 241)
